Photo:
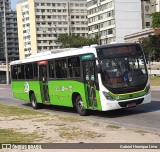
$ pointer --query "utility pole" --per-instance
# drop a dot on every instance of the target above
(69, 18)
(5, 44)
(99, 34)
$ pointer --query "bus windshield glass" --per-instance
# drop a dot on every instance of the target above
(126, 69)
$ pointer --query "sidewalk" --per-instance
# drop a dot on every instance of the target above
(155, 88)
(154, 65)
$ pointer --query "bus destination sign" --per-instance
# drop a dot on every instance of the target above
(42, 62)
(121, 50)
(118, 51)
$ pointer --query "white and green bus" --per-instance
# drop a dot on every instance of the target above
(103, 78)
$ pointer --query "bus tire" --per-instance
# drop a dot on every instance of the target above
(34, 103)
(80, 107)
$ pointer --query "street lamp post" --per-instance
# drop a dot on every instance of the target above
(5, 44)
(99, 34)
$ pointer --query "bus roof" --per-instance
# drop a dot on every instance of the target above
(66, 52)
(115, 44)
(57, 53)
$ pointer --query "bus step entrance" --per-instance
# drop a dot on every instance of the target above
(46, 103)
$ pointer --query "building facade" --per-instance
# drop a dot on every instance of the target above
(112, 19)
(136, 37)
(149, 7)
(12, 36)
(10, 26)
(40, 22)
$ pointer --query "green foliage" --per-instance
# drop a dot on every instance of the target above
(11, 136)
(155, 80)
(156, 20)
(67, 41)
(14, 111)
(151, 47)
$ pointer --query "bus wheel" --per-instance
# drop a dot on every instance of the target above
(34, 103)
(80, 107)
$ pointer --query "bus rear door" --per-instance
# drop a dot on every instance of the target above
(43, 78)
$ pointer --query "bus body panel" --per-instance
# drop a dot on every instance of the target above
(60, 92)
(21, 91)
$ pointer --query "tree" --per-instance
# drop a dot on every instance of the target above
(151, 43)
(151, 47)
(156, 20)
(66, 41)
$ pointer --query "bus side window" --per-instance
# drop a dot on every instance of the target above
(14, 72)
(51, 69)
(29, 71)
(61, 68)
(20, 71)
(74, 67)
(35, 71)
(64, 68)
(57, 66)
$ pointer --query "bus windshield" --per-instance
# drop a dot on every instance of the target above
(123, 71)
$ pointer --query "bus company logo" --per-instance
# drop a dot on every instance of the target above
(26, 87)
(59, 88)
(6, 146)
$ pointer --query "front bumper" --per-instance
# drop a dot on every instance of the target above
(112, 105)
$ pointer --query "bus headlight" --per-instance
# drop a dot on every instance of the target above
(108, 97)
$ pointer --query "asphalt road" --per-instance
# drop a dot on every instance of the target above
(146, 117)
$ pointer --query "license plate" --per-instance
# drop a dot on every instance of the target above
(131, 105)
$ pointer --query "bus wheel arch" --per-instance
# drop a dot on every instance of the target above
(74, 96)
(30, 93)
(33, 100)
(78, 104)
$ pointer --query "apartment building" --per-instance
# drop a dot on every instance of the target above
(149, 7)
(156, 5)
(11, 32)
(12, 36)
(40, 22)
(112, 19)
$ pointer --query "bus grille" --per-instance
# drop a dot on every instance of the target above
(125, 104)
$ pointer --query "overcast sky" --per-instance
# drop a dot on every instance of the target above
(13, 4)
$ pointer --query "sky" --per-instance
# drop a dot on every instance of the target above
(13, 4)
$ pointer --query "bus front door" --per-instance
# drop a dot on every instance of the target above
(43, 78)
(90, 83)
